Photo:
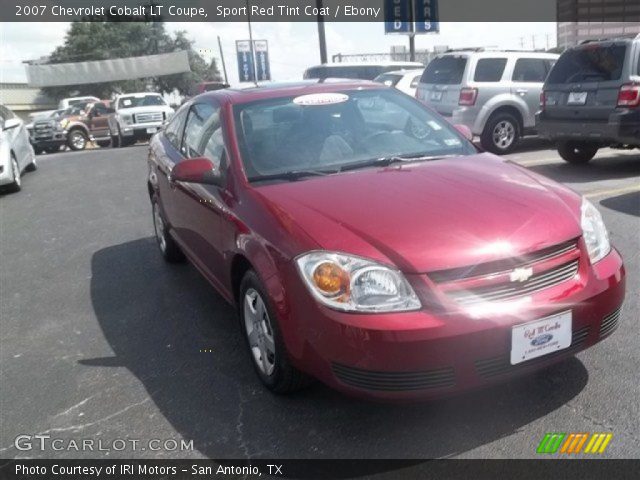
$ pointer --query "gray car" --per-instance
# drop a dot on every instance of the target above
(592, 99)
(495, 93)
(16, 153)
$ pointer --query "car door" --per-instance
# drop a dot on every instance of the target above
(526, 82)
(98, 121)
(202, 206)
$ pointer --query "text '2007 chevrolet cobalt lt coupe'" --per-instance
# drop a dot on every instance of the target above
(367, 243)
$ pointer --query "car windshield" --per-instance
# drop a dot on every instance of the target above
(328, 132)
(591, 63)
(140, 101)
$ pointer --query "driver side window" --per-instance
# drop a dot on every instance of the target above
(203, 134)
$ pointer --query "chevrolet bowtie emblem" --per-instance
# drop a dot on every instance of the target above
(520, 274)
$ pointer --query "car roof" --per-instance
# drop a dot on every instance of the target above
(404, 72)
(285, 89)
(368, 64)
(503, 53)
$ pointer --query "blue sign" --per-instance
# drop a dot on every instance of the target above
(246, 72)
(425, 16)
(397, 16)
(263, 69)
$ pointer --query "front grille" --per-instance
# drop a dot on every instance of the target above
(490, 268)
(394, 381)
(501, 292)
(500, 365)
(610, 323)
(151, 117)
(42, 130)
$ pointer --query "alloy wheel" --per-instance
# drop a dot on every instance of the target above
(78, 141)
(16, 172)
(158, 225)
(259, 331)
(504, 133)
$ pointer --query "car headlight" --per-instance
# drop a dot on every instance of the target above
(125, 119)
(594, 232)
(355, 284)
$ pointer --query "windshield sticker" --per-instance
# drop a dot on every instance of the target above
(451, 141)
(321, 99)
(126, 102)
(434, 125)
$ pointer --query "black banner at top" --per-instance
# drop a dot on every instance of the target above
(307, 10)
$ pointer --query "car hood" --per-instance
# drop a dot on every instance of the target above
(431, 215)
(148, 108)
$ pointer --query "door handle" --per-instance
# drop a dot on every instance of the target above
(521, 91)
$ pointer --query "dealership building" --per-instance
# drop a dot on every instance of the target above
(580, 20)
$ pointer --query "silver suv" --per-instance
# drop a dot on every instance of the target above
(495, 93)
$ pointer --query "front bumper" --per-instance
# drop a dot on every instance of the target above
(622, 128)
(440, 351)
(140, 131)
(52, 139)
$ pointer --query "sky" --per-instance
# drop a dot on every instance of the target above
(293, 47)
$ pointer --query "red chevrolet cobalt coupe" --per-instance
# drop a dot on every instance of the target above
(367, 243)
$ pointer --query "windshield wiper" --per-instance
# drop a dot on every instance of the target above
(391, 159)
(292, 175)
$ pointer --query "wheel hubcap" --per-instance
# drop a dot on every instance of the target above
(16, 172)
(259, 332)
(503, 134)
(158, 225)
(78, 140)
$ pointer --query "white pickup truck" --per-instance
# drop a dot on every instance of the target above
(138, 116)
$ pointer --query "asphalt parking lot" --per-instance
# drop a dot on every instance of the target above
(102, 340)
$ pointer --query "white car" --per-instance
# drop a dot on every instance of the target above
(16, 153)
(138, 117)
(404, 80)
(71, 101)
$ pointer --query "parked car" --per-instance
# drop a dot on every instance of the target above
(404, 80)
(72, 101)
(591, 99)
(49, 134)
(88, 124)
(16, 153)
(138, 116)
(495, 93)
(386, 259)
(362, 71)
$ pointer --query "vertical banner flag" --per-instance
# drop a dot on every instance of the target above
(246, 72)
(262, 60)
(397, 16)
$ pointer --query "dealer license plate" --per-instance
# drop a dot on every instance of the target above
(540, 337)
(436, 96)
(152, 130)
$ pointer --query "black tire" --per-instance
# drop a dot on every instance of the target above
(16, 185)
(115, 141)
(284, 378)
(104, 143)
(77, 139)
(577, 152)
(127, 142)
(500, 144)
(168, 247)
(32, 167)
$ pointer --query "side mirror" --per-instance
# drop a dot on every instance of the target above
(195, 170)
(465, 131)
(11, 123)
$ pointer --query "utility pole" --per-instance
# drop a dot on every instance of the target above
(412, 47)
(224, 66)
(321, 35)
(253, 55)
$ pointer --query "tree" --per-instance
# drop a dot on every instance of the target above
(87, 41)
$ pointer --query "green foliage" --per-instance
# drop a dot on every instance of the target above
(87, 41)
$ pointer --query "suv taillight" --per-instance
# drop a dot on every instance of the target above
(543, 100)
(629, 95)
(468, 96)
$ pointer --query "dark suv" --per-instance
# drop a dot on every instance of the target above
(591, 99)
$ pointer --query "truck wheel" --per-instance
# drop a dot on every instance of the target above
(77, 140)
(500, 134)
(577, 152)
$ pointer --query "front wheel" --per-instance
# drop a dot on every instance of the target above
(77, 140)
(16, 185)
(263, 339)
(33, 166)
(577, 152)
(168, 247)
(500, 134)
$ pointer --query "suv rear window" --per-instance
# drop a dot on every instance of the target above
(592, 63)
(489, 69)
(447, 70)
